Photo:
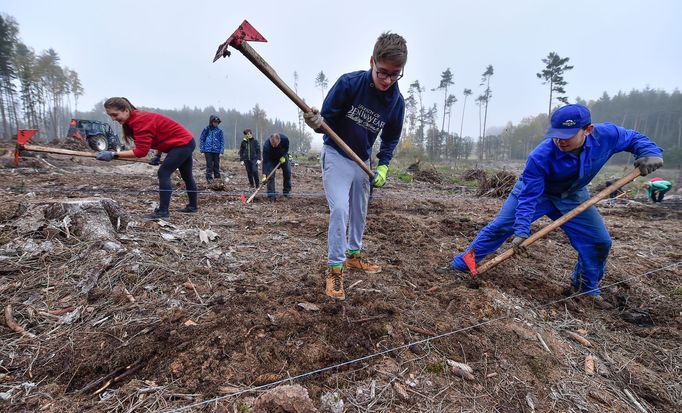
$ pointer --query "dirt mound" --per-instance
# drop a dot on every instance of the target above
(198, 309)
(430, 176)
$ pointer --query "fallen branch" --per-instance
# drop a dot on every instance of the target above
(421, 331)
(544, 345)
(9, 320)
(634, 401)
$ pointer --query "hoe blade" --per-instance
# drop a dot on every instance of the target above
(470, 260)
(245, 32)
(25, 135)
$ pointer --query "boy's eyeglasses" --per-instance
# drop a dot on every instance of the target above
(384, 75)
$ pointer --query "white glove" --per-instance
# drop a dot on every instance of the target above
(242, 163)
(258, 162)
(313, 118)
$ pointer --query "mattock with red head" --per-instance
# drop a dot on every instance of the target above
(245, 32)
(470, 256)
(24, 135)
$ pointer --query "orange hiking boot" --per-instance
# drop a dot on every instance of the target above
(334, 287)
(355, 261)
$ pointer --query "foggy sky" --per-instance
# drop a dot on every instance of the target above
(159, 53)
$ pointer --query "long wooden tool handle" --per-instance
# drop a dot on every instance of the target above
(264, 183)
(270, 73)
(559, 222)
(60, 151)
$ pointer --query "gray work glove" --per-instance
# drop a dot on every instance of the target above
(156, 161)
(648, 164)
(258, 162)
(313, 118)
(518, 248)
(105, 156)
(241, 163)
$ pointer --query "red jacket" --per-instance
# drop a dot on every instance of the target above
(154, 131)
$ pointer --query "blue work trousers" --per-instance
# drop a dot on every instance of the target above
(586, 232)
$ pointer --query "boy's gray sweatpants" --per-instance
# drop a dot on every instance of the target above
(346, 186)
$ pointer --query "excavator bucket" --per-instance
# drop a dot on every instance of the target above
(245, 32)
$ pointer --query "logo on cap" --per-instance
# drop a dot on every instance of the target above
(568, 123)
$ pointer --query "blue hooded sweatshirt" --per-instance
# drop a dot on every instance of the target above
(357, 112)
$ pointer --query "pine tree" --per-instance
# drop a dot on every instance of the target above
(553, 74)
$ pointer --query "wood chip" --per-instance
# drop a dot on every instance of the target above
(589, 365)
(461, 370)
(400, 389)
(267, 378)
(580, 339)
(309, 306)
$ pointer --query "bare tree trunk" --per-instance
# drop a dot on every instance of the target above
(461, 125)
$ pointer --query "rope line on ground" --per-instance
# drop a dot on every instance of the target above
(401, 347)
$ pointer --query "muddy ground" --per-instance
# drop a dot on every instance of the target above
(157, 318)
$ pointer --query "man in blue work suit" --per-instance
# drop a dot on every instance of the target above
(276, 152)
(554, 182)
(357, 108)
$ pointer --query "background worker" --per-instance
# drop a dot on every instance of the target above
(657, 188)
(276, 152)
(212, 145)
(249, 157)
(154, 131)
(554, 182)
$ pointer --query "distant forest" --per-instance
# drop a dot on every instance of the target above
(37, 92)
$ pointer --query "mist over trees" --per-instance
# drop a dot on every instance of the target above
(38, 92)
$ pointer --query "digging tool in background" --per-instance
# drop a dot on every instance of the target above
(24, 135)
(261, 185)
(470, 257)
(245, 32)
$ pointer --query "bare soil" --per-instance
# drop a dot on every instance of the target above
(232, 297)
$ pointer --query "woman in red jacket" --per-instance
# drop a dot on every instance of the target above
(154, 131)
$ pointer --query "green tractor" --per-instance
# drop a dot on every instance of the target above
(98, 135)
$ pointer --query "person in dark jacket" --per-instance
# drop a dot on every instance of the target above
(276, 152)
(554, 182)
(212, 145)
(249, 155)
(359, 106)
(154, 131)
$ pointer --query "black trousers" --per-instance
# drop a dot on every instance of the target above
(179, 158)
(252, 172)
(286, 175)
(212, 165)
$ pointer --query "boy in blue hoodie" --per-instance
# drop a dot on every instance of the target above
(212, 145)
(554, 182)
(357, 108)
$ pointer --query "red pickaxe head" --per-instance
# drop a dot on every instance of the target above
(245, 32)
(470, 260)
(23, 136)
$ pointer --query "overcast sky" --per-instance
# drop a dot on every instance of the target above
(159, 53)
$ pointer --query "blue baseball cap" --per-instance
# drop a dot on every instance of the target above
(567, 121)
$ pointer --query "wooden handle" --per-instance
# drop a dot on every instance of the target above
(270, 73)
(60, 151)
(264, 183)
(559, 222)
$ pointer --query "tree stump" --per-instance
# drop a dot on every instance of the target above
(95, 219)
